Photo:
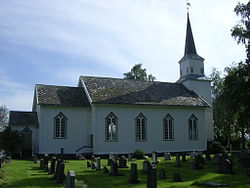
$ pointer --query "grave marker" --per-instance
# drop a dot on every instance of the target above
(70, 179)
(133, 174)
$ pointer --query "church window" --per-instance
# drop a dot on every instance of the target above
(111, 128)
(202, 71)
(191, 69)
(60, 126)
(168, 128)
(140, 126)
(187, 69)
(192, 128)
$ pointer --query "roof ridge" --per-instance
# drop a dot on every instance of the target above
(50, 85)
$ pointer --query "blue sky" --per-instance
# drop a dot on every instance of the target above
(56, 41)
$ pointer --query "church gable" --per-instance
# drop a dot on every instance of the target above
(134, 92)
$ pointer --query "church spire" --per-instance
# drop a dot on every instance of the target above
(189, 46)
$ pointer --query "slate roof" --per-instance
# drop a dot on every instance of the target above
(61, 96)
(133, 92)
(23, 118)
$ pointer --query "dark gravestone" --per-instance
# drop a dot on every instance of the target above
(154, 158)
(183, 158)
(177, 160)
(162, 174)
(93, 166)
(42, 164)
(226, 166)
(70, 179)
(123, 162)
(46, 162)
(52, 165)
(114, 169)
(199, 159)
(35, 158)
(60, 176)
(145, 166)
(152, 177)
(98, 163)
(105, 170)
(176, 177)
(57, 169)
(167, 156)
(207, 154)
(198, 162)
(133, 174)
(88, 164)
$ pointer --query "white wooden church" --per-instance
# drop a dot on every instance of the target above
(103, 115)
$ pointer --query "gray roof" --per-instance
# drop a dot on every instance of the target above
(61, 96)
(23, 118)
(133, 92)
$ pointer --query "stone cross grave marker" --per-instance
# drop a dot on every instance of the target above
(133, 174)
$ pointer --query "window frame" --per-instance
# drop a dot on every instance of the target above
(61, 117)
(193, 127)
(141, 139)
(107, 128)
(168, 118)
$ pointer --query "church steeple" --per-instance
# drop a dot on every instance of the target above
(189, 46)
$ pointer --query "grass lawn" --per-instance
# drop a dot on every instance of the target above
(26, 174)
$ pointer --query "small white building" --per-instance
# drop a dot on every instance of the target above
(103, 115)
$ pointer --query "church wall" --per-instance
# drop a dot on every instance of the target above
(77, 120)
(126, 129)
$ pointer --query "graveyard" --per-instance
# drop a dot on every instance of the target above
(156, 171)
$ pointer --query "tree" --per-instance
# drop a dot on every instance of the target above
(138, 73)
(3, 117)
(10, 140)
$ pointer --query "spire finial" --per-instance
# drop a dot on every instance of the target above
(188, 5)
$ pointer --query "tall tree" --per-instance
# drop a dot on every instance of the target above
(3, 117)
(138, 73)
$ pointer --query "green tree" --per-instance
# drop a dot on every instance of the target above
(3, 117)
(138, 73)
(10, 140)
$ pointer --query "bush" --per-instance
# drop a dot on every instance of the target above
(138, 154)
(216, 147)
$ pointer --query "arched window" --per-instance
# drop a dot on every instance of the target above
(140, 127)
(193, 128)
(60, 126)
(111, 128)
(168, 128)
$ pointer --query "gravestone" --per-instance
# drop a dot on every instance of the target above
(35, 158)
(207, 154)
(154, 158)
(162, 174)
(145, 166)
(123, 162)
(105, 170)
(177, 160)
(133, 174)
(192, 155)
(88, 164)
(98, 163)
(46, 162)
(52, 165)
(57, 169)
(60, 176)
(200, 159)
(176, 177)
(130, 157)
(70, 179)
(42, 164)
(226, 166)
(152, 177)
(93, 166)
(183, 158)
(167, 156)
(114, 169)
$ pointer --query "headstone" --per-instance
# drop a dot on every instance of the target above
(162, 174)
(35, 158)
(154, 158)
(123, 162)
(145, 166)
(52, 165)
(226, 166)
(176, 177)
(133, 174)
(60, 176)
(152, 177)
(42, 164)
(167, 156)
(88, 164)
(130, 157)
(207, 154)
(105, 170)
(177, 160)
(46, 162)
(98, 163)
(70, 180)
(248, 172)
(183, 158)
(192, 155)
(114, 169)
(57, 168)
(93, 166)
(199, 159)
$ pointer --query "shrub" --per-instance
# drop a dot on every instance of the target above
(138, 154)
(216, 147)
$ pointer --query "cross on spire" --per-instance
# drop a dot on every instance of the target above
(188, 5)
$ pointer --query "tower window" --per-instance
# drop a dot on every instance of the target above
(191, 69)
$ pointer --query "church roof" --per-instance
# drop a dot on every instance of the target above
(189, 46)
(23, 118)
(61, 95)
(133, 92)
